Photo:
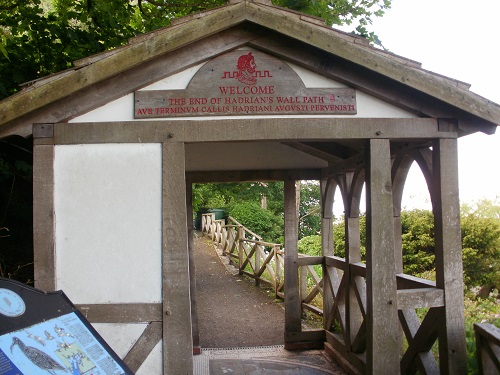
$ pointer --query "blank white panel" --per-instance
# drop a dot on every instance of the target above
(108, 222)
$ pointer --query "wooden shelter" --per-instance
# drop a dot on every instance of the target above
(247, 92)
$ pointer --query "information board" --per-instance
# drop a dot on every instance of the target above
(45, 333)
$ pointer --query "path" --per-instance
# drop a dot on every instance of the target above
(241, 326)
(232, 312)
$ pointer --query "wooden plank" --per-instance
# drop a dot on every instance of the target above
(358, 269)
(192, 268)
(448, 250)
(250, 129)
(43, 217)
(422, 297)
(382, 312)
(405, 281)
(309, 260)
(312, 335)
(354, 313)
(122, 312)
(177, 326)
(313, 309)
(327, 188)
(356, 361)
(143, 346)
(487, 348)
(334, 261)
(292, 298)
(424, 360)
(420, 339)
(313, 151)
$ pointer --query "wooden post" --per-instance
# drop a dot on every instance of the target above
(382, 311)
(292, 300)
(452, 348)
(43, 216)
(192, 268)
(177, 327)
(257, 263)
(241, 248)
(327, 188)
(354, 315)
(277, 270)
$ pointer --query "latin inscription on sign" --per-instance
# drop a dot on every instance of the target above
(244, 83)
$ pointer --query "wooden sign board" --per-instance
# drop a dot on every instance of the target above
(44, 333)
(244, 83)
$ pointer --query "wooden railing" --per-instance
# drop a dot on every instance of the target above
(487, 348)
(263, 261)
(260, 260)
(339, 296)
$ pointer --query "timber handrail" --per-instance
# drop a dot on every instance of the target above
(260, 260)
(487, 348)
(263, 261)
(335, 289)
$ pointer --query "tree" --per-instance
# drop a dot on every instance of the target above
(481, 246)
(309, 209)
(40, 37)
(343, 12)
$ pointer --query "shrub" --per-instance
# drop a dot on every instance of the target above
(258, 220)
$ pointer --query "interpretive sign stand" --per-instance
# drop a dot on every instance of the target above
(44, 333)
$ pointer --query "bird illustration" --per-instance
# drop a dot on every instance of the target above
(49, 336)
(63, 345)
(61, 332)
(37, 357)
(39, 340)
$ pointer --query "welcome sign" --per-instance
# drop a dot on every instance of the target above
(244, 83)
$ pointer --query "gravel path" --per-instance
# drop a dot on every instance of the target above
(232, 312)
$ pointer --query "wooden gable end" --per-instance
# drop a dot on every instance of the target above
(289, 36)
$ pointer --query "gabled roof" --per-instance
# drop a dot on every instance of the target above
(479, 113)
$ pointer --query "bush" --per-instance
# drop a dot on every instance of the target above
(258, 220)
(310, 245)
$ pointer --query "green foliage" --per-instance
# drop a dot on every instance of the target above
(339, 238)
(38, 38)
(418, 241)
(258, 220)
(310, 245)
(309, 209)
(479, 310)
(41, 37)
(343, 12)
(481, 250)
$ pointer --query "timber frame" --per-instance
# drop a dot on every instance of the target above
(370, 306)
(366, 310)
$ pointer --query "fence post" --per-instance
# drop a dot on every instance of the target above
(213, 226)
(277, 270)
(487, 348)
(258, 248)
(303, 286)
(241, 244)
(224, 237)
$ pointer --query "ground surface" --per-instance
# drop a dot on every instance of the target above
(233, 312)
(242, 326)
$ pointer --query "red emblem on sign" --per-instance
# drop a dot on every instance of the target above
(247, 72)
(246, 69)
